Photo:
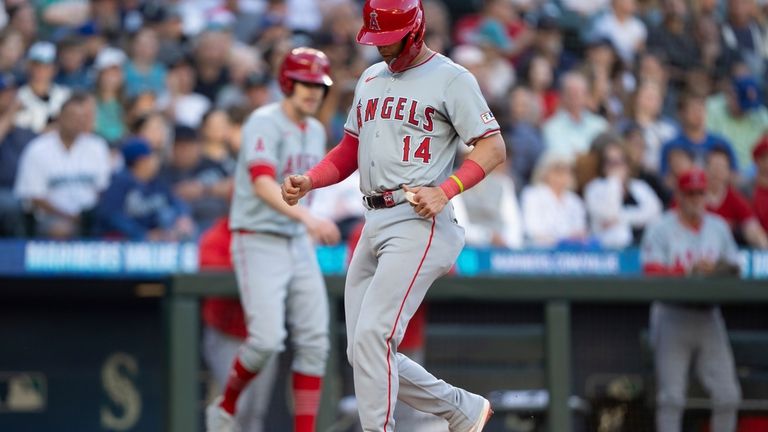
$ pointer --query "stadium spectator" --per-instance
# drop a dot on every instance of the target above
(585, 9)
(72, 70)
(13, 140)
(62, 172)
(539, 78)
(708, 38)
(573, 127)
(499, 28)
(760, 191)
(170, 33)
(552, 213)
(490, 213)
(224, 331)
(143, 73)
(694, 137)
(212, 49)
(522, 135)
(11, 53)
(154, 128)
(625, 31)
(257, 92)
(141, 105)
(200, 182)
(41, 99)
(136, 206)
(644, 111)
(636, 148)
(548, 42)
(690, 241)
(724, 200)
(215, 131)
(742, 39)
(244, 66)
(110, 123)
(179, 101)
(23, 19)
(619, 206)
(674, 40)
(738, 114)
(237, 117)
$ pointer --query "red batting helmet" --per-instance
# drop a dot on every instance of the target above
(306, 65)
(386, 22)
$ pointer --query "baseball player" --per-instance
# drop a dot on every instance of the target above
(409, 114)
(277, 272)
(689, 241)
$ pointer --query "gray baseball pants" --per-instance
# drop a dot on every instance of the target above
(280, 281)
(398, 257)
(682, 335)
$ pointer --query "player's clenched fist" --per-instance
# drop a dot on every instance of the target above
(427, 201)
(295, 187)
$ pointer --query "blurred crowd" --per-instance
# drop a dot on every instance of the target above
(121, 119)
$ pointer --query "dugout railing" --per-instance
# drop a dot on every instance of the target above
(556, 294)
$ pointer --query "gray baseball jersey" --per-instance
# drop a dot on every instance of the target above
(684, 334)
(713, 241)
(410, 123)
(272, 142)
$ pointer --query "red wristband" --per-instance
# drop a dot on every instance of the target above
(337, 165)
(469, 174)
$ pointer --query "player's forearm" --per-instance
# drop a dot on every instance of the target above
(488, 153)
(267, 190)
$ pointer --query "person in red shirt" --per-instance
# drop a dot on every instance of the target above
(760, 194)
(724, 200)
(224, 331)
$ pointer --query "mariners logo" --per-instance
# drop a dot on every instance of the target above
(373, 22)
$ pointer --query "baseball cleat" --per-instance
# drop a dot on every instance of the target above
(218, 420)
(483, 418)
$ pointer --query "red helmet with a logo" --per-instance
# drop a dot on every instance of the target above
(306, 65)
(386, 22)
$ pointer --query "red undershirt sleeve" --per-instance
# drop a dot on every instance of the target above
(337, 165)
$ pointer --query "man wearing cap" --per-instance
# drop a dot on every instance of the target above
(739, 115)
(760, 193)
(41, 98)
(689, 241)
(138, 207)
(13, 140)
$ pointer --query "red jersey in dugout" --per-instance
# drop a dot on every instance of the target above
(223, 314)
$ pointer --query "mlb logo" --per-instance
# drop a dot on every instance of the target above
(487, 117)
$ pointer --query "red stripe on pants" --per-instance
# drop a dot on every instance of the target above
(394, 327)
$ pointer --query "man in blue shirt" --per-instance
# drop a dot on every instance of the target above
(13, 140)
(694, 138)
(137, 206)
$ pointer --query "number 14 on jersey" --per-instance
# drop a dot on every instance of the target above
(421, 152)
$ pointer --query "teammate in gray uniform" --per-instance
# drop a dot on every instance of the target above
(277, 271)
(689, 240)
(410, 113)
